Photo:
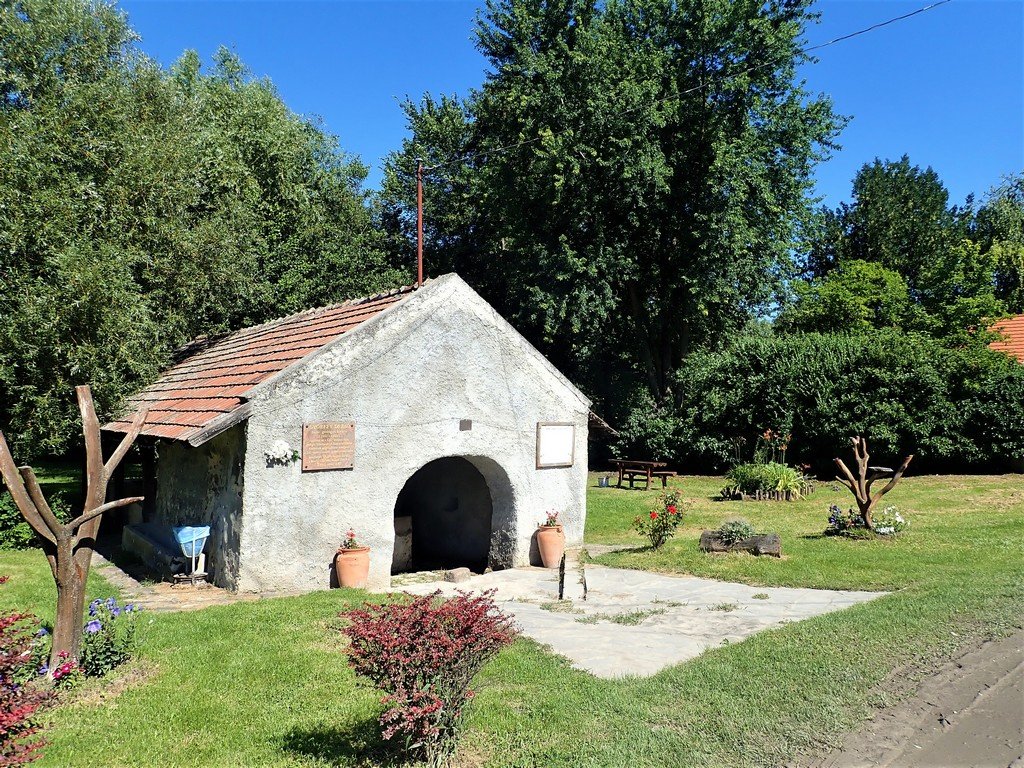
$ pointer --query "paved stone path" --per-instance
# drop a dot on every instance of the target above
(635, 622)
(164, 596)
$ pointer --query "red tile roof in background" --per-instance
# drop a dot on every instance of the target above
(213, 376)
(1012, 330)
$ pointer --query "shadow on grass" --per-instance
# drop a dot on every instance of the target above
(357, 744)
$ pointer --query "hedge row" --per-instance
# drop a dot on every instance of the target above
(956, 409)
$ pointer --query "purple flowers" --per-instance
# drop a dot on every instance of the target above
(93, 627)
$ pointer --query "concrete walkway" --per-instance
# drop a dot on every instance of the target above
(635, 622)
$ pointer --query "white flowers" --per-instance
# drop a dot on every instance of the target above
(280, 452)
(889, 522)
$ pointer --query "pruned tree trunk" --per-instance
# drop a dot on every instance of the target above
(860, 486)
(68, 546)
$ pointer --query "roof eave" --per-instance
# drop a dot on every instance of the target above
(220, 424)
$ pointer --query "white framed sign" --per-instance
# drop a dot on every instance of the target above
(556, 444)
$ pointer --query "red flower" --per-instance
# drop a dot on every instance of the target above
(654, 515)
(671, 509)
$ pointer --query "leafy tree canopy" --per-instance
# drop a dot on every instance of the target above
(899, 255)
(625, 184)
(140, 207)
(999, 231)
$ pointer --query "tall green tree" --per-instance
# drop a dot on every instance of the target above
(999, 233)
(626, 182)
(140, 207)
(901, 222)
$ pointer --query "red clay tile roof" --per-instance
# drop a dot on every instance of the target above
(1012, 330)
(214, 375)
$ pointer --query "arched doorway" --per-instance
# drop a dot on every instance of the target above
(443, 518)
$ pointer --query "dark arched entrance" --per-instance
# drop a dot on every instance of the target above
(443, 518)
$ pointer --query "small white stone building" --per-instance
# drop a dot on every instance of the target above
(419, 418)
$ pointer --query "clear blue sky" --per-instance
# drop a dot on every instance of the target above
(945, 87)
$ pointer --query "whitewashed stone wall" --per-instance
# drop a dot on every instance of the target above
(406, 378)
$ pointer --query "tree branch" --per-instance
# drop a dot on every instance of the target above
(36, 494)
(22, 500)
(850, 481)
(94, 513)
(896, 477)
(126, 442)
(94, 470)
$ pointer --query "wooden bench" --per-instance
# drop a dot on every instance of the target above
(664, 474)
(631, 470)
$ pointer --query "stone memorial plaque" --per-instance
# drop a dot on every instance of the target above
(328, 445)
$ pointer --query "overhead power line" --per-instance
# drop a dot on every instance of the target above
(700, 86)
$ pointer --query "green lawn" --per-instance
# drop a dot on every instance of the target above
(265, 683)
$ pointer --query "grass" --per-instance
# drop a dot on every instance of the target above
(626, 618)
(265, 683)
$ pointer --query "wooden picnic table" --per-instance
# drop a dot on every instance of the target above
(630, 469)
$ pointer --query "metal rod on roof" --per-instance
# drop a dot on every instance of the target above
(419, 223)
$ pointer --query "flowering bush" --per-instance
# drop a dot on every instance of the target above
(19, 701)
(659, 525)
(840, 522)
(349, 542)
(108, 641)
(423, 654)
(551, 518)
(109, 637)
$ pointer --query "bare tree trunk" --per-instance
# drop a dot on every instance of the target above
(860, 485)
(68, 546)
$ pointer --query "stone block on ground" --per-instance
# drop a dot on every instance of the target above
(458, 575)
(759, 544)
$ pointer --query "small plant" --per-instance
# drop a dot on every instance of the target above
(726, 607)
(842, 523)
(349, 542)
(761, 596)
(423, 654)
(551, 519)
(659, 525)
(19, 702)
(560, 606)
(889, 522)
(771, 447)
(735, 529)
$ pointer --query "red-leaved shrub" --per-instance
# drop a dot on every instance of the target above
(18, 703)
(423, 654)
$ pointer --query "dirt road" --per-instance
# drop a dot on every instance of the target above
(970, 713)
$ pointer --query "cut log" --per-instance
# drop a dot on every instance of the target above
(758, 544)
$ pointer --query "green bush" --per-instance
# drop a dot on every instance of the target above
(953, 408)
(15, 533)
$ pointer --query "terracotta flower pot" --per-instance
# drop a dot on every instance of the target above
(551, 543)
(353, 566)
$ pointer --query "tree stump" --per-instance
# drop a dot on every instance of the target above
(860, 485)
